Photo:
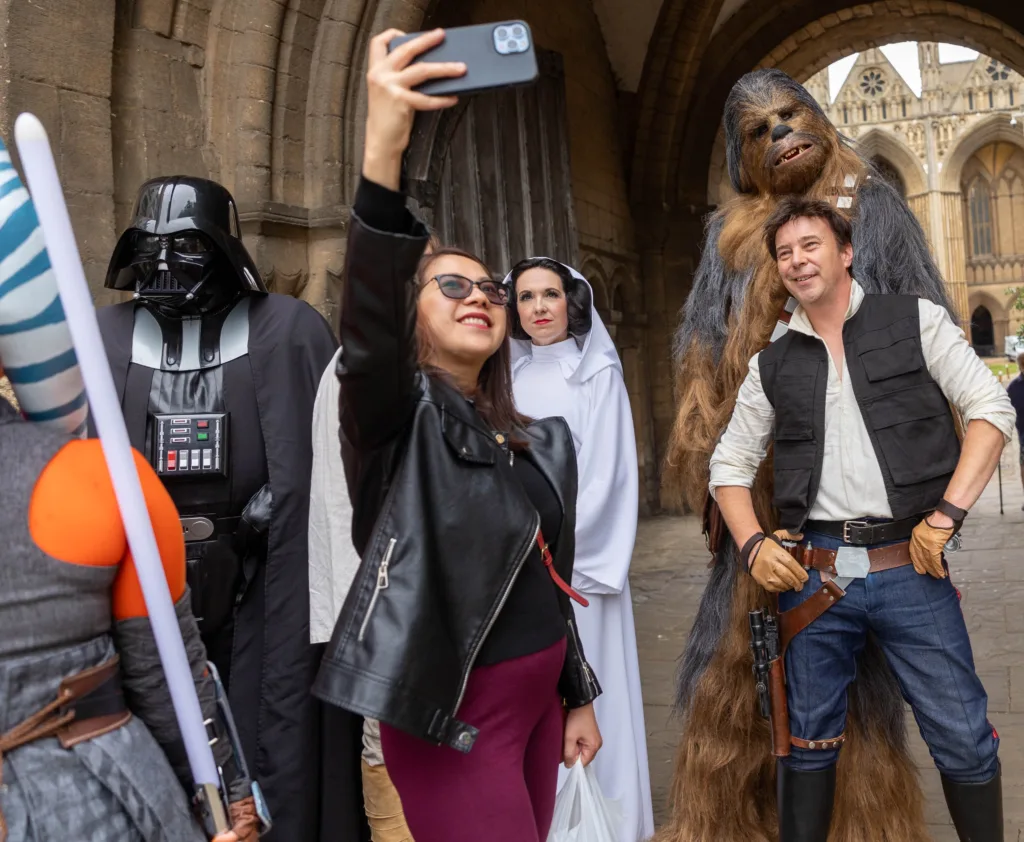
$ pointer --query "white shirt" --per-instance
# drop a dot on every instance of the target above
(851, 483)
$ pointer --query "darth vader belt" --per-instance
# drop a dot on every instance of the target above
(208, 529)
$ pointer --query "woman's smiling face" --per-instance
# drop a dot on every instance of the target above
(463, 331)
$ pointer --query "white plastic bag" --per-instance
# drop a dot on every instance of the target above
(582, 813)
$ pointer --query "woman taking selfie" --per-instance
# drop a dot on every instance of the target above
(564, 363)
(458, 632)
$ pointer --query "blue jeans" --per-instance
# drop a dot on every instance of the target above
(917, 621)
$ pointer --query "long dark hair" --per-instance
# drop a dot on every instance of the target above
(577, 297)
(493, 398)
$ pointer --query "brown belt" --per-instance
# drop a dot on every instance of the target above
(795, 620)
(880, 558)
(88, 704)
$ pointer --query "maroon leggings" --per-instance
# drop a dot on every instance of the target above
(503, 790)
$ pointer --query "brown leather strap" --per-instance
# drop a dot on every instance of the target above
(57, 719)
(795, 620)
(820, 745)
(880, 558)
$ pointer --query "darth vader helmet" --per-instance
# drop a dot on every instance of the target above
(183, 252)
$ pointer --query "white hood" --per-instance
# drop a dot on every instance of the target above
(598, 349)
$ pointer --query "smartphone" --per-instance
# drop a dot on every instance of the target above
(496, 55)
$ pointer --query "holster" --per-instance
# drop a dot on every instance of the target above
(780, 708)
(713, 527)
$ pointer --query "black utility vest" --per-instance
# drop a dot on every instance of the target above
(906, 414)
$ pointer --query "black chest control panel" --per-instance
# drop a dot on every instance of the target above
(191, 445)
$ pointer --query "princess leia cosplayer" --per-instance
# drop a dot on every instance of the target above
(565, 364)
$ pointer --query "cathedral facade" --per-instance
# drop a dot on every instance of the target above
(956, 152)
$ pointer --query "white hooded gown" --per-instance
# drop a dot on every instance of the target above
(586, 387)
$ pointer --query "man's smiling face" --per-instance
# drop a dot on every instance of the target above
(810, 259)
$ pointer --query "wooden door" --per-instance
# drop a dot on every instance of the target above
(492, 174)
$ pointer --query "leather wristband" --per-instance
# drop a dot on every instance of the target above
(747, 547)
(753, 539)
(954, 513)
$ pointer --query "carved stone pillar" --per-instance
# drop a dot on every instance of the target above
(955, 255)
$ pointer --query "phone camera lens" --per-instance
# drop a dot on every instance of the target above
(518, 32)
(503, 33)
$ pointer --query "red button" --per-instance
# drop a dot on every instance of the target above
(172, 460)
(202, 425)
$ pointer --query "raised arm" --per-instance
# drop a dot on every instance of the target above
(378, 363)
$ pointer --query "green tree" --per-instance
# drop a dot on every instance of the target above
(1017, 302)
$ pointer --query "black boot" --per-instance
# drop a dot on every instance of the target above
(976, 809)
(804, 803)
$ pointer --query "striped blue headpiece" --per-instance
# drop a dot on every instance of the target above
(36, 351)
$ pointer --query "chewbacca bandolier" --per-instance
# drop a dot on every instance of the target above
(779, 142)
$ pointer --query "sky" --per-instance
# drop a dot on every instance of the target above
(904, 58)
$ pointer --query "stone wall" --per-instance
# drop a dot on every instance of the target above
(57, 65)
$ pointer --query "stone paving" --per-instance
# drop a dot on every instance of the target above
(669, 573)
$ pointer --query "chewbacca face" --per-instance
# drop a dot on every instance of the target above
(778, 137)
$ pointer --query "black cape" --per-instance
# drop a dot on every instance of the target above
(304, 754)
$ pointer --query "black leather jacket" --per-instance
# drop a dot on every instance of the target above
(440, 521)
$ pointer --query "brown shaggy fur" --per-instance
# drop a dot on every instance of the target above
(724, 786)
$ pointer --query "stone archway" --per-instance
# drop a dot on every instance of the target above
(903, 164)
(983, 331)
(991, 129)
(890, 174)
(673, 183)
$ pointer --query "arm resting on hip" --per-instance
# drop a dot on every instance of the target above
(982, 447)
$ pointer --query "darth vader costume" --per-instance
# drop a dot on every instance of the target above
(217, 379)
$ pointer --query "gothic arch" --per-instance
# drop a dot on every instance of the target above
(627, 289)
(989, 129)
(979, 215)
(806, 39)
(996, 309)
(878, 143)
(593, 271)
(980, 298)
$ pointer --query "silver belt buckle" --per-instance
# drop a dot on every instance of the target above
(196, 528)
(849, 523)
(852, 563)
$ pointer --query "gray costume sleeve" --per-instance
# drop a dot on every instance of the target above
(149, 698)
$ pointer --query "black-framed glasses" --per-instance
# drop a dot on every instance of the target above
(459, 287)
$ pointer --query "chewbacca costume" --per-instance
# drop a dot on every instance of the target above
(724, 785)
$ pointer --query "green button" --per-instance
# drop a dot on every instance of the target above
(202, 436)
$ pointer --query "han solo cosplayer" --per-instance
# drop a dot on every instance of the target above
(855, 399)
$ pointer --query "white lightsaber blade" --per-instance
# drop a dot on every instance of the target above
(44, 186)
